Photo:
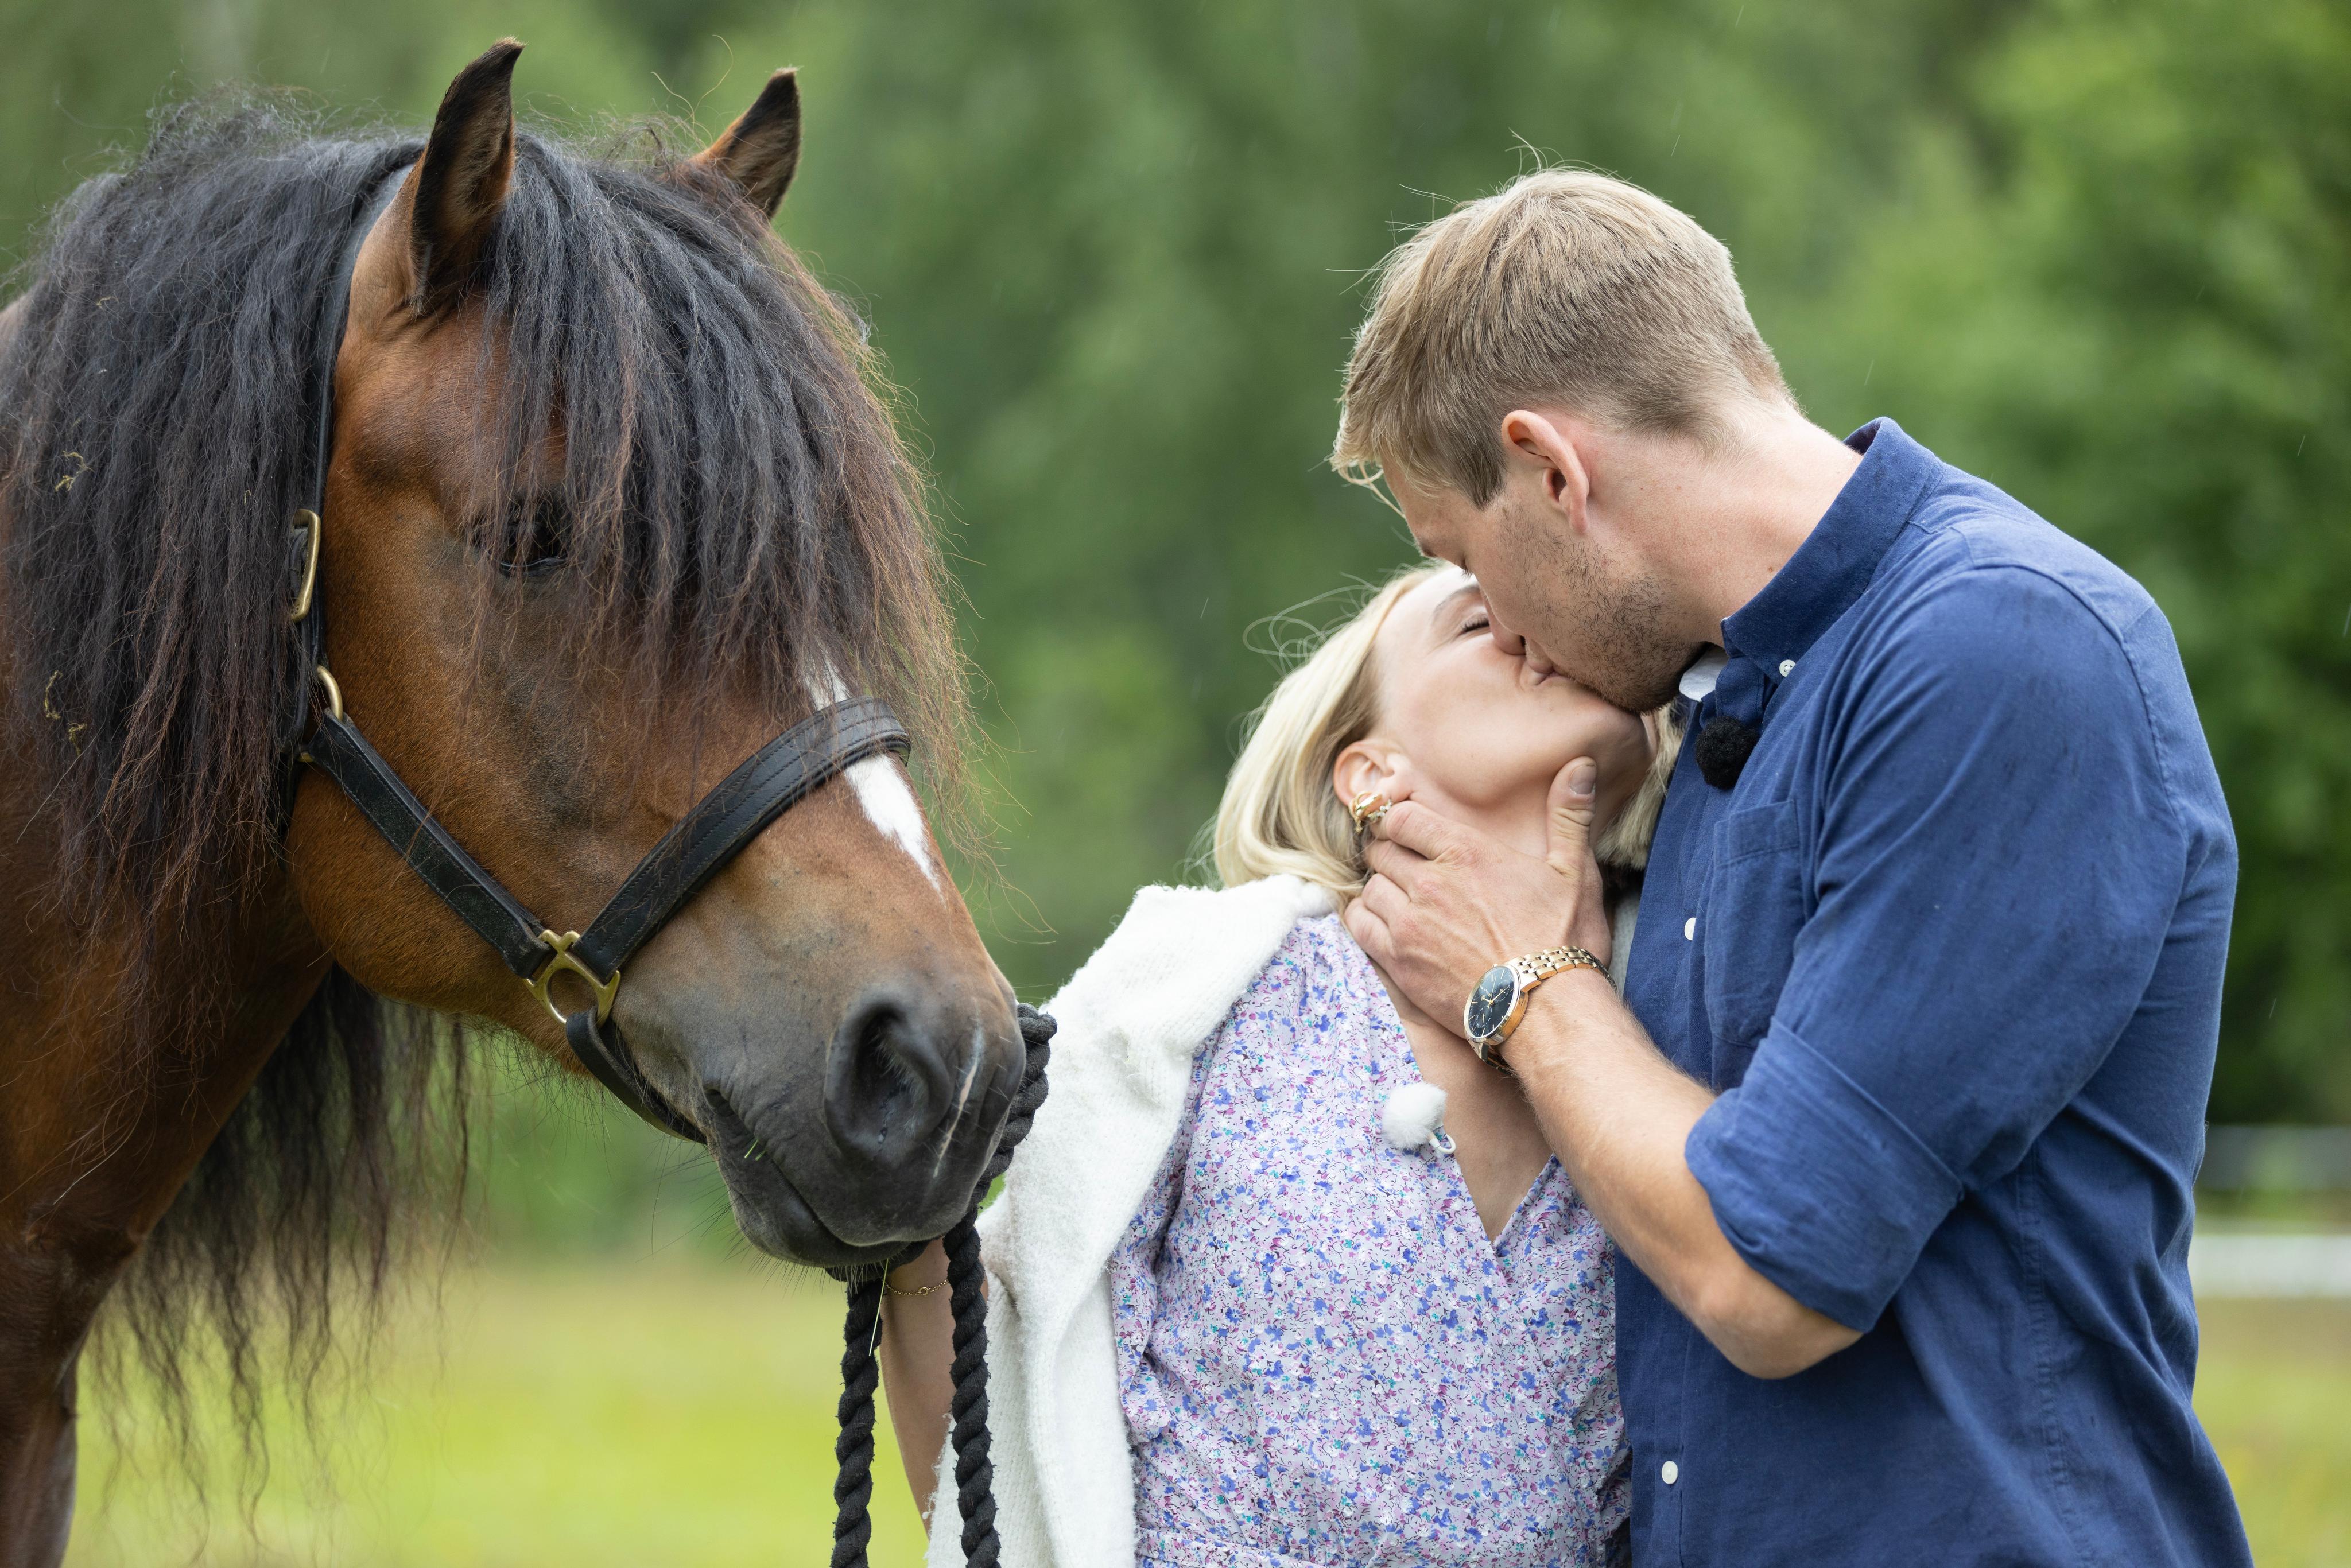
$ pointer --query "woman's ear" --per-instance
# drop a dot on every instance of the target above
(1365, 767)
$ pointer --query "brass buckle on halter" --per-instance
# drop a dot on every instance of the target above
(604, 989)
(308, 521)
(334, 705)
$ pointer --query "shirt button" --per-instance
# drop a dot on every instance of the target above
(1689, 929)
(1669, 1472)
(1786, 668)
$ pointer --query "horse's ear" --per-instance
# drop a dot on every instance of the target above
(761, 149)
(462, 180)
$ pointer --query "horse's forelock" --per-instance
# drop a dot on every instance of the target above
(743, 508)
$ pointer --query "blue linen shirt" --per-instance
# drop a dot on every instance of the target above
(1950, 953)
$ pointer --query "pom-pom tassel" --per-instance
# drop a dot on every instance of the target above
(1412, 1116)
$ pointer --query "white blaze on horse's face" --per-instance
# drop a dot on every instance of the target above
(889, 799)
(882, 786)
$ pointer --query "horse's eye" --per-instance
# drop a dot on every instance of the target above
(536, 534)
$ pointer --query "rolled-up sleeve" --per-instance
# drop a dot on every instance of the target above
(1998, 858)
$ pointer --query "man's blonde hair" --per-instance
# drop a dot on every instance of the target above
(1563, 289)
(1280, 811)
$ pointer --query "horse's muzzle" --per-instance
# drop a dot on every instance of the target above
(913, 1094)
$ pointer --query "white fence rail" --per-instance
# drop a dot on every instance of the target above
(2310, 1167)
(2276, 1159)
(2269, 1264)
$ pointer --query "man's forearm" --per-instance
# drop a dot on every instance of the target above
(1617, 1114)
(1442, 902)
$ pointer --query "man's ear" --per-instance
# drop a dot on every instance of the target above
(461, 182)
(761, 151)
(1366, 767)
(1546, 445)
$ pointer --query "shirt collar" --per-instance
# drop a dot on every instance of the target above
(1831, 567)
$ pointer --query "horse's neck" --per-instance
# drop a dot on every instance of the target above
(108, 1112)
(100, 1125)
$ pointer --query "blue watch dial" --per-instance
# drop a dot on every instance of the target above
(1490, 1004)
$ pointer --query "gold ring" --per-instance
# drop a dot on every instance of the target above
(1369, 809)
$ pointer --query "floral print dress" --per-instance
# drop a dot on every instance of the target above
(1321, 1358)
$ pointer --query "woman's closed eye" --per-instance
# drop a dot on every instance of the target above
(1460, 613)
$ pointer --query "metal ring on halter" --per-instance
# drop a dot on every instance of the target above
(308, 521)
(562, 961)
(1369, 810)
(334, 692)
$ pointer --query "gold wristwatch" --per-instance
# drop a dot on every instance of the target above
(1500, 1000)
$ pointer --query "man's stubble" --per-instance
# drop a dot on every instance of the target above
(1603, 623)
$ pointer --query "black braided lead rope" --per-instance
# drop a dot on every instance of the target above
(974, 1475)
(852, 1485)
(852, 1489)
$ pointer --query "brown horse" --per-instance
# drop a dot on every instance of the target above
(611, 501)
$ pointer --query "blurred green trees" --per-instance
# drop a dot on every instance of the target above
(2096, 252)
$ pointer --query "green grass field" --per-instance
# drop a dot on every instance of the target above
(582, 1413)
(680, 1411)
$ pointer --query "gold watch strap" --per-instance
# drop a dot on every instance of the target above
(1536, 967)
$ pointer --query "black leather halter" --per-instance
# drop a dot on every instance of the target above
(777, 777)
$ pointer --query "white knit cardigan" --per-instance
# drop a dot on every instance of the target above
(1131, 1021)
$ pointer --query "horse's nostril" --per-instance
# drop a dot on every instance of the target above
(887, 1083)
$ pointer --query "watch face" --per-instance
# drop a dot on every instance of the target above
(1490, 1004)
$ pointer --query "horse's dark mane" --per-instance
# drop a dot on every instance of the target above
(740, 509)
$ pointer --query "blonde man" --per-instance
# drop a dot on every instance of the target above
(1899, 1117)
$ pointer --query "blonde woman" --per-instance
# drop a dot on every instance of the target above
(1286, 1273)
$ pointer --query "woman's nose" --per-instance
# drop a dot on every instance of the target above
(1518, 647)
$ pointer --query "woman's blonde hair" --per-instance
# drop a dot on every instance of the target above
(1279, 812)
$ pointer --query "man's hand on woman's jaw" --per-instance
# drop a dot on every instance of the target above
(1446, 902)
(1444, 905)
